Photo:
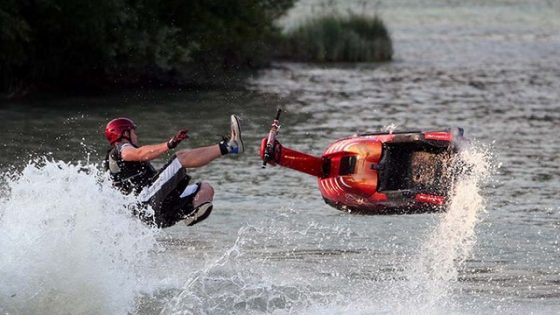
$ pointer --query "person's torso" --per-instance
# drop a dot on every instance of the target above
(128, 176)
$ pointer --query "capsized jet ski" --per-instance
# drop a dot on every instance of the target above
(380, 172)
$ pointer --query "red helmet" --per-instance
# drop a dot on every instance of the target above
(116, 127)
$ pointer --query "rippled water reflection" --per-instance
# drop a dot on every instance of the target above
(272, 244)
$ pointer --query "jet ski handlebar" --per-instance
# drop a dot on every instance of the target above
(269, 151)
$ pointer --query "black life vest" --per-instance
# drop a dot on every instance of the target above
(128, 176)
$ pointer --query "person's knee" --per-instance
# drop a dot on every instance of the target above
(207, 189)
(205, 194)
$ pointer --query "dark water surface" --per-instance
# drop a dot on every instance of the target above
(271, 244)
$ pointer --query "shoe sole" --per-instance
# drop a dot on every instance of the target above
(235, 126)
(199, 214)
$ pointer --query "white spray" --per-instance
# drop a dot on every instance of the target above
(428, 278)
(390, 128)
(68, 243)
(432, 272)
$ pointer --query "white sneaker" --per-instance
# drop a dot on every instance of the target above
(198, 214)
(235, 144)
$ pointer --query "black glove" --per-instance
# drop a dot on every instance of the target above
(180, 136)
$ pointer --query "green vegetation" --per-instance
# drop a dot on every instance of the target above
(92, 44)
(338, 38)
(95, 45)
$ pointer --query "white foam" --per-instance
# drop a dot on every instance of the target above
(428, 280)
(68, 243)
(432, 273)
(390, 128)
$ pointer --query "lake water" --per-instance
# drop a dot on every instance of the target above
(271, 245)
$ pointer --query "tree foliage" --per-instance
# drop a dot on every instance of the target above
(87, 43)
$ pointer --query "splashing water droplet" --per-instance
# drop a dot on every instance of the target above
(390, 128)
(69, 244)
(433, 271)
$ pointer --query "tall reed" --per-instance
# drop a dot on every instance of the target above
(339, 38)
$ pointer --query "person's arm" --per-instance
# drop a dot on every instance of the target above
(144, 153)
(152, 151)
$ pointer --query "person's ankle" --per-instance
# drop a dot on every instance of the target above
(224, 146)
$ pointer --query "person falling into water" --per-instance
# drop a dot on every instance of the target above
(168, 191)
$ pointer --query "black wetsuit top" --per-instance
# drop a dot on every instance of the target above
(168, 204)
(128, 176)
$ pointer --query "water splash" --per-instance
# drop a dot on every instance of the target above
(435, 269)
(257, 275)
(390, 128)
(427, 282)
(227, 284)
(182, 303)
(253, 275)
(69, 244)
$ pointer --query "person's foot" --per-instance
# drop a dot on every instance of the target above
(235, 144)
(199, 214)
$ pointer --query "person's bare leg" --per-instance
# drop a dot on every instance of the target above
(198, 157)
(204, 195)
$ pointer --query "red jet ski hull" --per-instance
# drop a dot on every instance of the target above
(381, 173)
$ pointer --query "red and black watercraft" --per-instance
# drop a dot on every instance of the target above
(380, 172)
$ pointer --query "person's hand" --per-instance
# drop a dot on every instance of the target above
(180, 136)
